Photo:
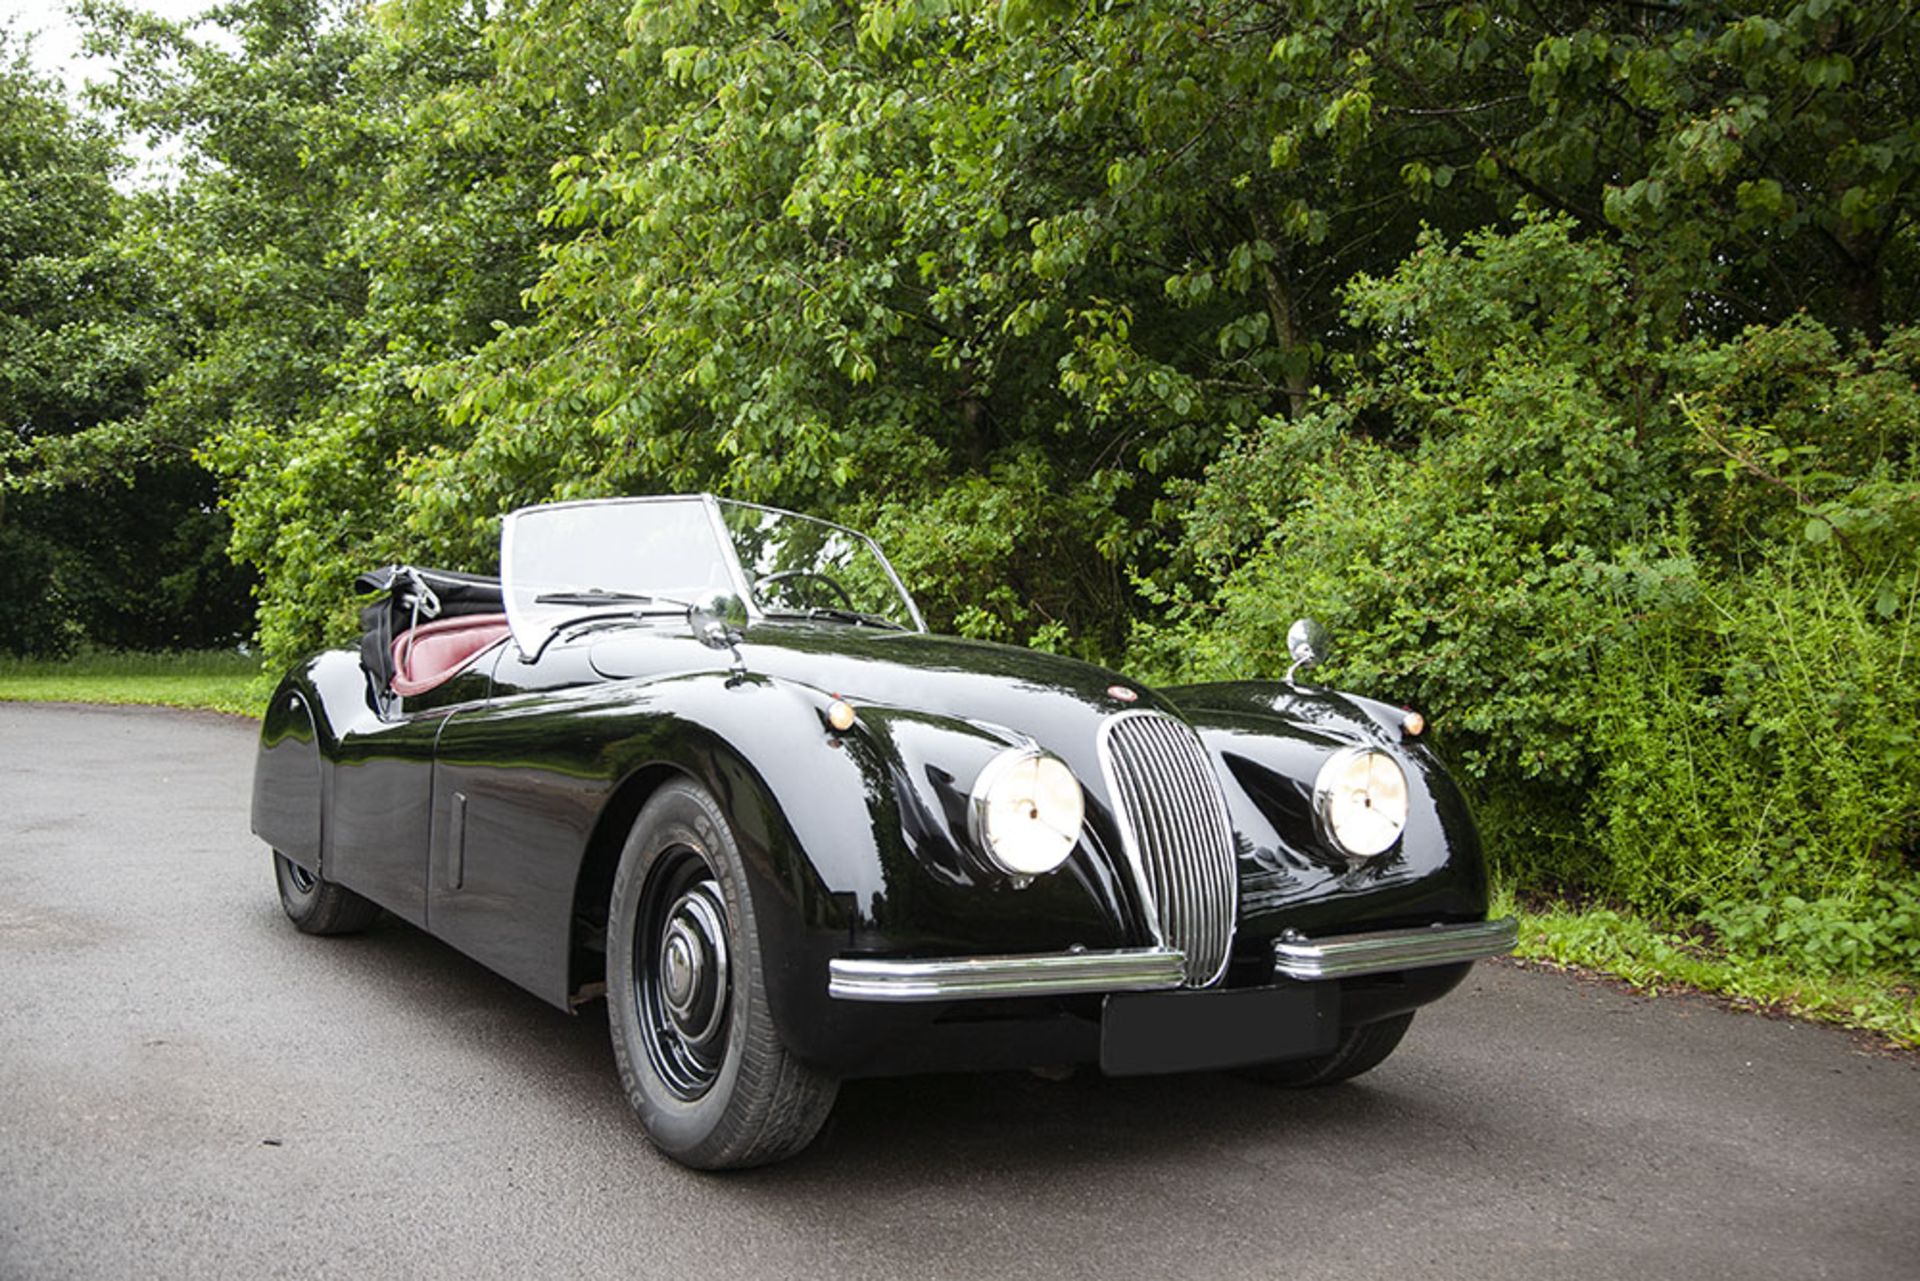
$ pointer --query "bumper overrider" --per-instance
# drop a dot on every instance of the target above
(1152, 969)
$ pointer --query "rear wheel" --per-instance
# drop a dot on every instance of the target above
(1361, 1049)
(686, 1002)
(317, 905)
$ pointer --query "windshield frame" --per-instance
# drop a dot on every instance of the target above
(531, 635)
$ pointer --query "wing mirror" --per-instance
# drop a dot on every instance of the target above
(717, 618)
(1308, 643)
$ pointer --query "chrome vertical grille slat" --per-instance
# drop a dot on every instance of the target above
(1173, 824)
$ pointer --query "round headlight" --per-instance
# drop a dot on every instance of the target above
(1360, 798)
(1026, 811)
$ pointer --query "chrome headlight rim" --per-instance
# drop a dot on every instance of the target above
(1337, 826)
(1009, 852)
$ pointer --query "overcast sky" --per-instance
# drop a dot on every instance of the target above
(56, 46)
(56, 53)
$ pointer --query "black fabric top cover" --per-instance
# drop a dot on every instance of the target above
(410, 595)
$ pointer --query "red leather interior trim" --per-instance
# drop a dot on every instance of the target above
(431, 652)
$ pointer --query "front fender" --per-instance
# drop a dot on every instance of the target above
(1269, 741)
(855, 842)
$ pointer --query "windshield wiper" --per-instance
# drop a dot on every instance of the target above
(592, 596)
(841, 616)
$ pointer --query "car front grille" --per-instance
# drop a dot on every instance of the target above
(1173, 824)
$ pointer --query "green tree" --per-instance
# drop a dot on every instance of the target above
(994, 277)
(978, 281)
(105, 534)
(351, 204)
(947, 266)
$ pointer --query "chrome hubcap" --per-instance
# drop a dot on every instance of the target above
(693, 963)
(684, 973)
(303, 880)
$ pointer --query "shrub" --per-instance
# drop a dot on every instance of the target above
(1658, 602)
(1759, 761)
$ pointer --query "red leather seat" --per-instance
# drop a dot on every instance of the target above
(428, 654)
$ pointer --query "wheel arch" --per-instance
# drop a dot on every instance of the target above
(800, 810)
(593, 882)
(287, 810)
(780, 808)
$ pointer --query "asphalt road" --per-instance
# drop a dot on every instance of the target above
(188, 1087)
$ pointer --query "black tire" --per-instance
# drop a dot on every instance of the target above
(318, 906)
(1361, 1049)
(686, 1001)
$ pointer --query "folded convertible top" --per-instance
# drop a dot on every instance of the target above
(410, 595)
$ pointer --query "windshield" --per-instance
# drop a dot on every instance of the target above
(565, 559)
(643, 555)
(799, 566)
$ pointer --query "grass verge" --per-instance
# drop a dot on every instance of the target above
(1656, 958)
(217, 681)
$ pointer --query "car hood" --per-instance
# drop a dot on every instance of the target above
(1056, 701)
(1002, 686)
(1266, 741)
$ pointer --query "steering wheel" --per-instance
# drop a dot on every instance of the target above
(810, 575)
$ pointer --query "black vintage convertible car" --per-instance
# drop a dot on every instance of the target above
(703, 758)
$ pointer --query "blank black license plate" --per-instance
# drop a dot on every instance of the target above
(1148, 1032)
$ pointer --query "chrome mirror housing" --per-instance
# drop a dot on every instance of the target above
(717, 618)
(1307, 643)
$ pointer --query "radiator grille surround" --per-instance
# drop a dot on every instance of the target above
(1174, 830)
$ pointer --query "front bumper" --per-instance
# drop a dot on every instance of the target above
(1157, 969)
(964, 978)
(1385, 951)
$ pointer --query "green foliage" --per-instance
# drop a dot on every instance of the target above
(104, 533)
(1654, 956)
(816, 262)
(436, 261)
(1463, 518)
(1658, 599)
(1759, 761)
(1849, 933)
(353, 207)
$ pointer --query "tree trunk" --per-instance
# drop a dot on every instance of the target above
(1286, 331)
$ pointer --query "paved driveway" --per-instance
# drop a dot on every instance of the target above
(188, 1087)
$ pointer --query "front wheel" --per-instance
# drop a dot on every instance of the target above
(1361, 1049)
(686, 1000)
(318, 906)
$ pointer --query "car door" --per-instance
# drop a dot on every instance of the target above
(382, 803)
(511, 814)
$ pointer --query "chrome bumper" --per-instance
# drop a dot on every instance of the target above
(1047, 974)
(1147, 969)
(1353, 955)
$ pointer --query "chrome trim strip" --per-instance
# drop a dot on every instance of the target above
(1129, 840)
(858, 978)
(735, 569)
(1384, 951)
